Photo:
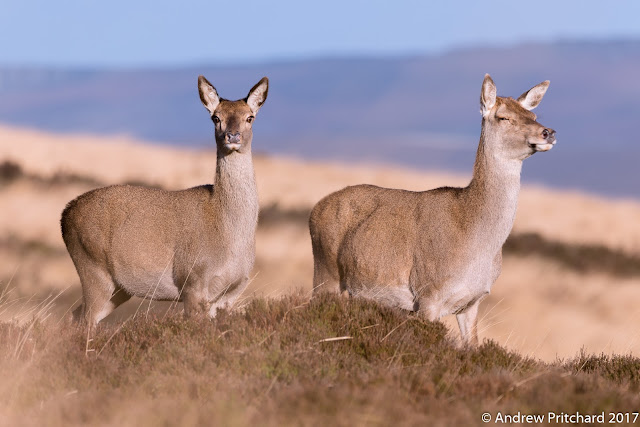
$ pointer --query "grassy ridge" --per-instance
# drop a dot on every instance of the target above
(269, 365)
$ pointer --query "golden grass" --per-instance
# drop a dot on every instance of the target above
(293, 183)
(544, 310)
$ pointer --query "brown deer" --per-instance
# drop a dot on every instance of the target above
(436, 252)
(195, 245)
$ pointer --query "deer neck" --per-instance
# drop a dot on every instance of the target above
(235, 194)
(493, 191)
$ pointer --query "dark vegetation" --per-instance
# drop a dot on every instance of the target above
(581, 258)
(23, 247)
(274, 215)
(270, 365)
(11, 171)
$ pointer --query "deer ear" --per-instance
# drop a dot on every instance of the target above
(531, 98)
(208, 94)
(487, 96)
(258, 94)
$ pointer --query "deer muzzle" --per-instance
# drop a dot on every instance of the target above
(232, 141)
(548, 137)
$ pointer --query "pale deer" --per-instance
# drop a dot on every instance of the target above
(195, 245)
(436, 252)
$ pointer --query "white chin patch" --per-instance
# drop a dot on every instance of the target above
(232, 147)
(543, 147)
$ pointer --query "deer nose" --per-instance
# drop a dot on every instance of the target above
(233, 138)
(549, 134)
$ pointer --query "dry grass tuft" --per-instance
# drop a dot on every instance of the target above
(269, 365)
(617, 368)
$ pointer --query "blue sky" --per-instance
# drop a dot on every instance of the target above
(128, 33)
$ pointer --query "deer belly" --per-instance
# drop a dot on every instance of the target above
(154, 284)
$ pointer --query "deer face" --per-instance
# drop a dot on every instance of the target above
(233, 119)
(518, 133)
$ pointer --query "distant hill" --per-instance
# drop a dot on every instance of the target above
(422, 111)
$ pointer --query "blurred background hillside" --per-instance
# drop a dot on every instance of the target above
(420, 111)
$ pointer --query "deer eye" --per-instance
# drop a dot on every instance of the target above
(250, 119)
(503, 118)
(215, 119)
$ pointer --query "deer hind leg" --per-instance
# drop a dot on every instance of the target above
(99, 293)
(325, 279)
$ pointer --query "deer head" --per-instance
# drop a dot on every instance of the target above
(233, 119)
(515, 131)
